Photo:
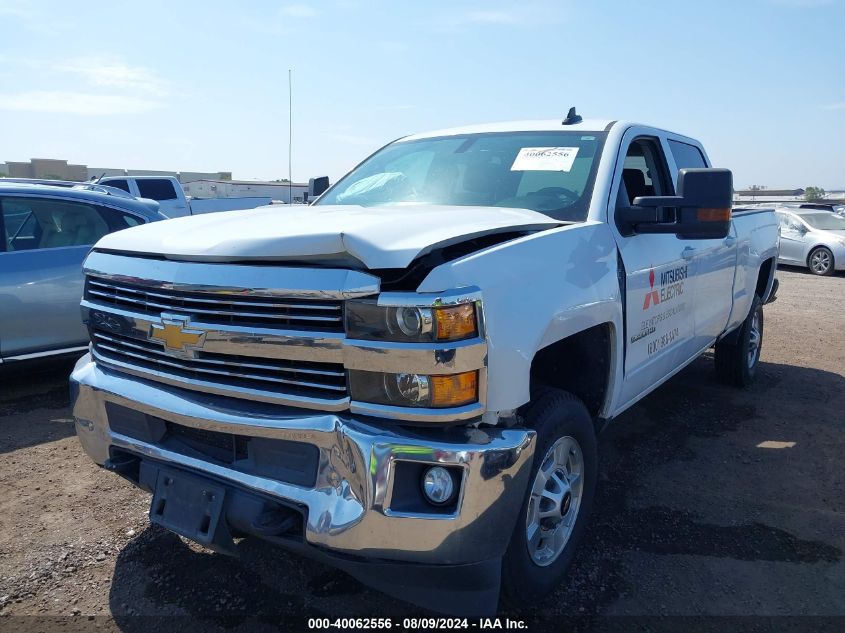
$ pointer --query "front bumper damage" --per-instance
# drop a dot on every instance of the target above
(349, 501)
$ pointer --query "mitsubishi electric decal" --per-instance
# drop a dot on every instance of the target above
(671, 286)
(663, 318)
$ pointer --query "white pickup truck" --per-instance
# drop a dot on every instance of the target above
(406, 380)
(171, 198)
(166, 190)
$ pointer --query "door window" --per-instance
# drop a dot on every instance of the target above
(789, 223)
(645, 173)
(38, 223)
(156, 188)
(120, 184)
(644, 170)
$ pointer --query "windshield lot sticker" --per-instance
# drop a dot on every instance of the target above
(545, 159)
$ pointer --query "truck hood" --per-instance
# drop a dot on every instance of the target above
(375, 237)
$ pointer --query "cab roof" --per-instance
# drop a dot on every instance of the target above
(548, 125)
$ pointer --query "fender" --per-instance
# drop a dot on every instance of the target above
(553, 284)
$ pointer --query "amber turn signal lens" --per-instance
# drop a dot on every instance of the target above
(456, 322)
(454, 390)
(714, 215)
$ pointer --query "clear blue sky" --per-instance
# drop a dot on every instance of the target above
(193, 85)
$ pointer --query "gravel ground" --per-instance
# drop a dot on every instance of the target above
(693, 516)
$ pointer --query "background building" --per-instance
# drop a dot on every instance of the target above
(50, 168)
(53, 168)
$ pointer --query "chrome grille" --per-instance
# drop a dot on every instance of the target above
(219, 308)
(231, 372)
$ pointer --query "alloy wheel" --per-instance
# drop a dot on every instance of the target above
(555, 500)
(820, 261)
(755, 338)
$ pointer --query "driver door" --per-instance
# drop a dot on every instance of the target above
(659, 328)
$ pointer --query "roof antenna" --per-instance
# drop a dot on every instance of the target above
(571, 117)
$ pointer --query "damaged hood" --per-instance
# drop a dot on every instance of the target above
(375, 237)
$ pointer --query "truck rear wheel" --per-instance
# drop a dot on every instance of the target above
(737, 361)
(557, 504)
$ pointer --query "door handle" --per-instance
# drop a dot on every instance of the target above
(688, 253)
(730, 240)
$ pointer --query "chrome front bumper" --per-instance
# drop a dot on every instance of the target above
(348, 510)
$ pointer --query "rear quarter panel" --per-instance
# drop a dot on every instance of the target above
(757, 241)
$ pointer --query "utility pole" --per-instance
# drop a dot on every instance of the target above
(290, 138)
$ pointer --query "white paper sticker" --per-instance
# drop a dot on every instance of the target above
(544, 159)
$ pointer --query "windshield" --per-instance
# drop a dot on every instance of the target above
(549, 172)
(824, 221)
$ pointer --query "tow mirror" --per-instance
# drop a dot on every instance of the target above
(702, 207)
(316, 187)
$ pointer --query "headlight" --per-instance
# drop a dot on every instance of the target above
(369, 321)
(414, 390)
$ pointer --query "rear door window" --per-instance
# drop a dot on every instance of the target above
(118, 219)
(156, 188)
(686, 155)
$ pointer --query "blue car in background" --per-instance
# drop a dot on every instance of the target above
(45, 234)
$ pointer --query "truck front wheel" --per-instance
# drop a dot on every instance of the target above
(559, 498)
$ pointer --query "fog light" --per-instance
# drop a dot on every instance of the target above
(437, 485)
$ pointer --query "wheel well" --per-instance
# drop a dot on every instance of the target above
(763, 278)
(579, 364)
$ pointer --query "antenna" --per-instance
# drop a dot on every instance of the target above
(290, 138)
(571, 117)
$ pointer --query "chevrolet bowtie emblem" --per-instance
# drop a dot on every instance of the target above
(176, 336)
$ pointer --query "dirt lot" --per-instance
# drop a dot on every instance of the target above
(693, 516)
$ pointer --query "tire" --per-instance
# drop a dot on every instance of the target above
(735, 364)
(820, 261)
(556, 416)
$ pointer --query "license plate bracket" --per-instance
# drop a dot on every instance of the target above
(188, 505)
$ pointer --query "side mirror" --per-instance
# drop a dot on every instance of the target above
(702, 207)
(316, 186)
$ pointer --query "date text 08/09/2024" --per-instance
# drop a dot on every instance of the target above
(416, 623)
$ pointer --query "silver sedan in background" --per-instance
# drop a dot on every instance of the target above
(45, 233)
(812, 238)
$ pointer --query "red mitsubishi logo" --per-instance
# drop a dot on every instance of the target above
(652, 296)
